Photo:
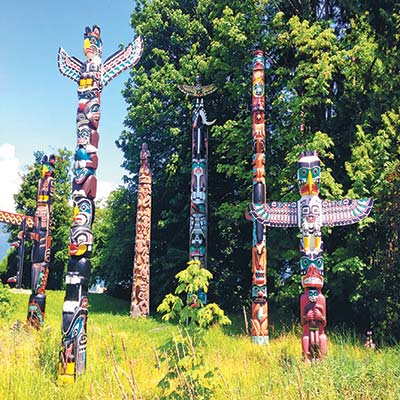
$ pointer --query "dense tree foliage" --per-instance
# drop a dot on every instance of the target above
(25, 201)
(114, 233)
(331, 85)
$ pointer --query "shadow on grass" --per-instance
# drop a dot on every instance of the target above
(102, 303)
(105, 304)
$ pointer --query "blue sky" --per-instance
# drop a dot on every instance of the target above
(38, 104)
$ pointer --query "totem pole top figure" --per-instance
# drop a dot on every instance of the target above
(145, 175)
(93, 72)
(197, 90)
(145, 157)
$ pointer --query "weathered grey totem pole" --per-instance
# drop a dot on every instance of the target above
(41, 237)
(91, 76)
(259, 312)
(199, 181)
(310, 214)
(140, 299)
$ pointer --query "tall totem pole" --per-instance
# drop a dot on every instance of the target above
(91, 76)
(41, 237)
(259, 310)
(140, 299)
(310, 214)
(199, 180)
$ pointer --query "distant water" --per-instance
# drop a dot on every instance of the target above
(4, 245)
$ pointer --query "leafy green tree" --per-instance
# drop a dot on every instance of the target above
(114, 233)
(331, 85)
(191, 311)
(187, 376)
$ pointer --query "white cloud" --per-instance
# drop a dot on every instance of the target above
(9, 176)
(104, 189)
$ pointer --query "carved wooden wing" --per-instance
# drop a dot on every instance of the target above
(122, 60)
(274, 214)
(71, 67)
(345, 212)
(15, 219)
(197, 91)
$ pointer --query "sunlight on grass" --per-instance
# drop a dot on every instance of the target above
(122, 360)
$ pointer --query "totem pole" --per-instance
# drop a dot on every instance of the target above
(41, 237)
(24, 222)
(199, 179)
(310, 214)
(140, 299)
(259, 307)
(91, 76)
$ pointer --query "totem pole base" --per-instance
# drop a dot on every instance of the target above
(260, 340)
(66, 375)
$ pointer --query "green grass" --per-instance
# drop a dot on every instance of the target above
(122, 360)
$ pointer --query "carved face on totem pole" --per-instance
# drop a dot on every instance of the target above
(81, 240)
(313, 295)
(259, 294)
(46, 185)
(83, 211)
(312, 271)
(92, 44)
(89, 108)
(309, 174)
(48, 165)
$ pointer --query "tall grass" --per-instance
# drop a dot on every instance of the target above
(123, 361)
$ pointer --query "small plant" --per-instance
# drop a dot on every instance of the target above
(187, 376)
(191, 311)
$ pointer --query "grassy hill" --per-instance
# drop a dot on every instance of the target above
(124, 363)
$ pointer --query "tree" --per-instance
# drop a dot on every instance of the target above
(331, 86)
(114, 233)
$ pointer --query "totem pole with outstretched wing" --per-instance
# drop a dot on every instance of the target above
(91, 76)
(199, 178)
(310, 214)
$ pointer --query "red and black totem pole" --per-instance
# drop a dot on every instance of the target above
(259, 311)
(91, 76)
(24, 222)
(140, 299)
(41, 237)
(199, 178)
(310, 214)
(40, 233)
